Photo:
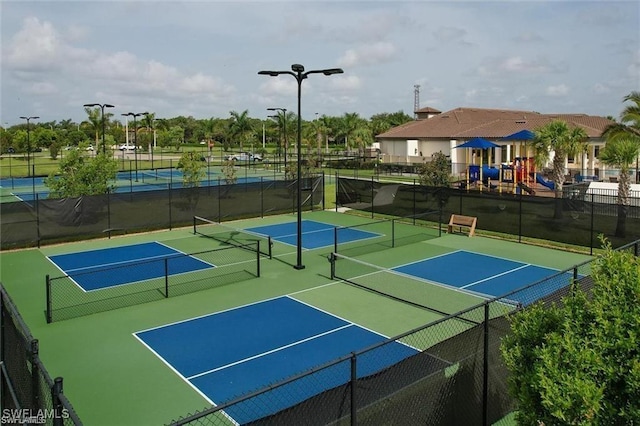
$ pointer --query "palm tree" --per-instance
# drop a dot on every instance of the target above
(240, 125)
(556, 136)
(94, 119)
(622, 149)
(621, 153)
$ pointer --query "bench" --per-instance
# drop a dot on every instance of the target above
(460, 221)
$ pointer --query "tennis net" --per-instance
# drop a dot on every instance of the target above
(408, 289)
(227, 235)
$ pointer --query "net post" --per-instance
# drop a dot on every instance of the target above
(258, 258)
(194, 225)
(354, 379)
(48, 292)
(575, 273)
(270, 246)
(166, 277)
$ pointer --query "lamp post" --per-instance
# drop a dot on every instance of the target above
(284, 127)
(135, 135)
(29, 143)
(297, 71)
(102, 107)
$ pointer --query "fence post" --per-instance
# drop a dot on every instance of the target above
(393, 233)
(332, 259)
(485, 368)
(323, 195)
(413, 189)
(592, 214)
(520, 217)
(336, 190)
(372, 195)
(48, 292)
(354, 380)
(258, 258)
(37, 201)
(56, 390)
(335, 239)
(166, 277)
(219, 202)
(261, 197)
(35, 374)
(169, 191)
(109, 212)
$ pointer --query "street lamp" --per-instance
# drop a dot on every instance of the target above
(29, 144)
(297, 71)
(135, 135)
(284, 127)
(102, 107)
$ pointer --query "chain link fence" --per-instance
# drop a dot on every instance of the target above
(28, 393)
(45, 220)
(577, 218)
(455, 374)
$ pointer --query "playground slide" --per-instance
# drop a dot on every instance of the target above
(549, 184)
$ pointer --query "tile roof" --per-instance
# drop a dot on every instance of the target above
(467, 123)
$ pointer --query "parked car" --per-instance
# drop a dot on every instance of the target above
(90, 148)
(244, 156)
(126, 147)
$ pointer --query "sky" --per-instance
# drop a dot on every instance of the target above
(202, 58)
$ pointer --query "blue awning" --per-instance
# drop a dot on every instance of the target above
(522, 135)
(478, 143)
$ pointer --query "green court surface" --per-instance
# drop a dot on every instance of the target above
(111, 378)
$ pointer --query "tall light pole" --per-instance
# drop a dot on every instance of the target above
(102, 107)
(29, 143)
(284, 127)
(135, 135)
(297, 71)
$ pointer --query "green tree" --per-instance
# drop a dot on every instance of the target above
(622, 149)
(436, 172)
(191, 167)
(621, 153)
(579, 362)
(240, 127)
(563, 141)
(229, 172)
(79, 175)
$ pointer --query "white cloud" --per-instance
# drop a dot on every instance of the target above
(34, 47)
(376, 53)
(558, 90)
(347, 82)
(450, 35)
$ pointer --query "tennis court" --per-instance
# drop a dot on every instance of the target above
(314, 234)
(103, 268)
(486, 275)
(231, 353)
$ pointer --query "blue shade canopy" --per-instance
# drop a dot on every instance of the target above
(478, 143)
(522, 135)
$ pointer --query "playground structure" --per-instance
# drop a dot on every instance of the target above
(516, 177)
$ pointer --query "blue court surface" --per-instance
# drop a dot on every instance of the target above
(487, 275)
(103, 268)
(314, 234)
(231, 353)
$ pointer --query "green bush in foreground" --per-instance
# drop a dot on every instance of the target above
(579, 363)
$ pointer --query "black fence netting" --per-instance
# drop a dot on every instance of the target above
(446, 372)
(46, 220)
(577, 218)
(29, 394)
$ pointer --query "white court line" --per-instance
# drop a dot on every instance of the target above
(496, 276)
(260, 355)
